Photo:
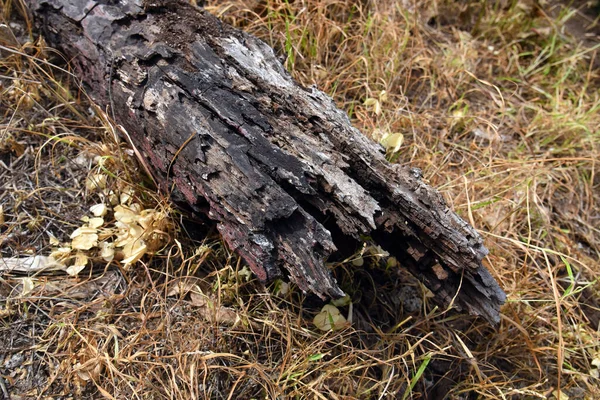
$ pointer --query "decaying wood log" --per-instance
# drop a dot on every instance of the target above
(280, 168)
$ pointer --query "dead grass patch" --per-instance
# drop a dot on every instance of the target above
(497, 105)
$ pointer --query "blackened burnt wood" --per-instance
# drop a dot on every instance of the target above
(225, 128)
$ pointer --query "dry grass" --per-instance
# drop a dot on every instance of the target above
(499, 106)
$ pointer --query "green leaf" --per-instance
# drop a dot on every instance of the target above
(417, 376)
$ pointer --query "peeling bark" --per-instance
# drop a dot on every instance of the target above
(225, 129)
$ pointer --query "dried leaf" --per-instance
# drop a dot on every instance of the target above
(198, 298)
(124, 198)
(107, 251)
(281, 288)
(125, 215)
(53, 240)
(375, 103)
(136, 232)
(122, 237)
(81, 261)
(84, 230)
(217, 314)
(392, 142)
(28, 286)
(60, 254)
(180, 286)
(595, 370)
(126, 195)
(343, 301)
(74, 270)
(329, 319)
(99, 210)
(95, 182)
(89, 370)
(133, 254)
(84, 376)
(113, 199)
(96, 222)
(147, 218)
(226, 315)
(84, 241)
(1, 214)
(377, 108)
(82, 159)
(106, 233)
(383, 96)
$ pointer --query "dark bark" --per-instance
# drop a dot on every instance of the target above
(225, 129)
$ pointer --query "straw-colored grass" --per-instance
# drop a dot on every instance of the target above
(499, 105)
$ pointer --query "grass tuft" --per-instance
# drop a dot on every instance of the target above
(498, 104)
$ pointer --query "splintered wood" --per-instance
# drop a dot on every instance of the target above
(228, 133)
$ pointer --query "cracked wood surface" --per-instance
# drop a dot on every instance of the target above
(225, 129)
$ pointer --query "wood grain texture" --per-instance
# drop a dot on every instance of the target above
(226, 130)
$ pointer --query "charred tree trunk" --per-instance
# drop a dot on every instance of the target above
(225, 128)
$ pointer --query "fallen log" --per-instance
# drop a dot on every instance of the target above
(226, 130)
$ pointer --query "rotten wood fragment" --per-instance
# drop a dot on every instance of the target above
(226, 130)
